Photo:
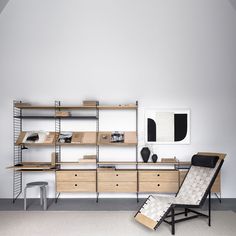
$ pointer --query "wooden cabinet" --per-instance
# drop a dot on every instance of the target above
(117, 181)
(76, 181)
(149, 181)
(158, 181)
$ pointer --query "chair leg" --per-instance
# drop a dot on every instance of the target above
(44, 199)
(172, 221)
(209, 209)
(41, 196)
(25, 196)
(186, 212)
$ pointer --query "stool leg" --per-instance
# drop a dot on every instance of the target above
(45, 199)
(41, 196)
(25, 191)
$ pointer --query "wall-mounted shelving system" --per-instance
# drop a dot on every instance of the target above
(137, 177)
(91, 138)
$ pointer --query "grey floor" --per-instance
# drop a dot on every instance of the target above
(106, 223)
(64, 204)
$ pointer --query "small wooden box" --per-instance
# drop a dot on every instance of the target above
(62, 113)
(89, 103)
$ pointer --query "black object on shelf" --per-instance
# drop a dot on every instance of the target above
(23, 147)
(145, 153)
(154, 158)
(33, 137)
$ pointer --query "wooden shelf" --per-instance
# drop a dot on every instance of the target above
(78, 138)
(158, 163)
(75, 163)
(81, 138)
(118, 107)
(41, 107)
(102, 107)
(116, 163)
(33, 166)
(36, 170)
(49, 140)
(141, 163)
(57, 117)
(75, 144)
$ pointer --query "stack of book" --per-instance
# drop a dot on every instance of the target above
(88, 159)
(63, 114)
(169, 160)
(89, 103)
(106, 168)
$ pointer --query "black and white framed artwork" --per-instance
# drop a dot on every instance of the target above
(167, 126)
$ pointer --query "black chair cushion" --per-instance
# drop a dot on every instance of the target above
(204, 161)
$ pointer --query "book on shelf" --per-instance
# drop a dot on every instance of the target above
(87, 160)
(54, 158)
(90, 157)
(106, 168)
(33, 137)
(169, 160)
(22, 104)
(36, 137)
(63, 114)
(65, 137)
(89, 103)
(117, 137)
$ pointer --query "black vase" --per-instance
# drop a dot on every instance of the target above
(145, 153)
(154, 158)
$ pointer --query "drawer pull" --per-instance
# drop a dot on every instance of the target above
(158, 174)
(75, 174)
(117, 184)
(117, 175)
(158, 185)
(75, 185)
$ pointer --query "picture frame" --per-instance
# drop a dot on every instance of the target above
(167, 126)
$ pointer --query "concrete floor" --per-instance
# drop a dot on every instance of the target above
(106, 223)
(71, 204)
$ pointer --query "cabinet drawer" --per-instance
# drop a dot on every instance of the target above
(76, 176)
(162, 187)
(117, 176)
(150, 176)
(76, 186)
(128, 187)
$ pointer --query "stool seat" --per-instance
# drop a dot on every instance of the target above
(37, 184)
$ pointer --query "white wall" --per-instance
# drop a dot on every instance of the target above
(166, 54)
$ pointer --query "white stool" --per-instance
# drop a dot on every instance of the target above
(43, 193)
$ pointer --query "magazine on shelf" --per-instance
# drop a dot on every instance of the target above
(65, 137)
(35, 136)
(117, 137)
